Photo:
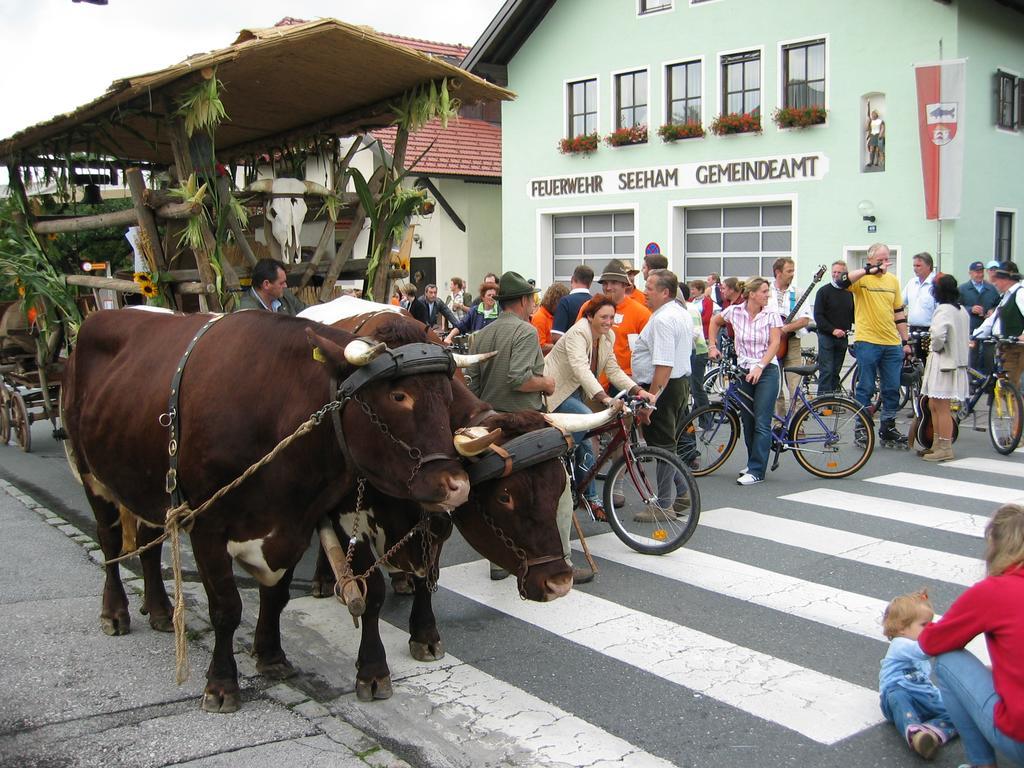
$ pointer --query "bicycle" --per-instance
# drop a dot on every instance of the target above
(1006, 407)
(640, 487)
(839, 426)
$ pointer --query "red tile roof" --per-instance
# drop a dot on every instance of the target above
(447, 50)
(467, 147)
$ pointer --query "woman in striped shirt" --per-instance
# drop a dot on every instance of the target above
(757, 330)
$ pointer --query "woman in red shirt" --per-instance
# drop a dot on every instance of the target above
(986, 706)
(544, 318)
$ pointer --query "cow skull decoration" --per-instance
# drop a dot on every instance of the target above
(287, 211)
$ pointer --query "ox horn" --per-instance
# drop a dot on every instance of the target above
(360, 352)
(472, 441)
(580, 422)
(262, 187)
(312, 188)
(464, 361)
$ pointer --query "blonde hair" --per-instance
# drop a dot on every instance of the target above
(1004, 536)
(752, 285)
(903, 610)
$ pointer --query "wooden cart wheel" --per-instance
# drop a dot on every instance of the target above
(5, 416)
(20, 423)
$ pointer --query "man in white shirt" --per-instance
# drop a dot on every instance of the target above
(784, 297)
(918, 299)
(1008, 319)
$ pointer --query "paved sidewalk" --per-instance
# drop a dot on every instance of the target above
(75, 697)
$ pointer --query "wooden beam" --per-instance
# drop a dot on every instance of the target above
(128, 216)
(345, 249)
(223, 192)
(110, 283)
(150, 239)
(382, 277)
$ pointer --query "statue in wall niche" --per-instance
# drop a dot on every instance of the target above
(874, 136)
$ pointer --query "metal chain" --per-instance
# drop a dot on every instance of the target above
(414, 453)
(430, 565)
(514, 548)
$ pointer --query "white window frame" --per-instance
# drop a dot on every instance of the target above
(564, 131)
(545, 265)
(642, 14)
(666, 111)
(1014, 222)
(780, 92)
(720, 82)
(677, 223)
(703, 2)
(614, 111)
(1018, 119)
(849, 249)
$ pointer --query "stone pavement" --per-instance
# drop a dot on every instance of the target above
(76, 697)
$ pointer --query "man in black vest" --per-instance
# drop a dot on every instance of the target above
(1008, 319)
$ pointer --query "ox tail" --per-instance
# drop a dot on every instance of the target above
(129, 530)
(69, 449)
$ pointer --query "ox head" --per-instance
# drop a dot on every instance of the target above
(287, 211)
(395, 425)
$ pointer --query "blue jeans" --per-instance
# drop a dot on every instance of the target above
(584, 454)
(757, 429)
(886, 362)
(904, 708)
(970, 697)
(831, 354)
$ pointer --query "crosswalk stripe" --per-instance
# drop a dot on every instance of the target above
(929, 563)
(959, 488)
(992, 466)
(459, 692)
(902, 511)
(822, 708)
(836, 608)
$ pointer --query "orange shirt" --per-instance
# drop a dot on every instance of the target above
(630, 319)
(638, 297)
(543, 321)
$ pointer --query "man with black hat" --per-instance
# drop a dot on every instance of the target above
(979, 298)
(1007, 319)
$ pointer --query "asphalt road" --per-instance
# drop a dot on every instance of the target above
(757, 644)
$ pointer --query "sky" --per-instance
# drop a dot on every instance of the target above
(59, 54)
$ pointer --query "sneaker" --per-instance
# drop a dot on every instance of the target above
(742, 473)
(748, 479)
(925, 743)
(693, 464)
(654, 515)
(681, 504)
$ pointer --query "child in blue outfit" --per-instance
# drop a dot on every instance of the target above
(909, 699)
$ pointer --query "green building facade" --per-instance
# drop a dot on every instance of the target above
(734, 203)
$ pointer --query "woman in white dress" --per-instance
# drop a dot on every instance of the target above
(945, 373)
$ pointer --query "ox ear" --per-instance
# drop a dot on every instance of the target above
(328, 349)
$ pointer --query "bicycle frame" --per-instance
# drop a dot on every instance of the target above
(985, 385)
(622, 439)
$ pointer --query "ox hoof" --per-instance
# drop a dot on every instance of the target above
(322, 588)
(402, 584)
(116, 625)
(427, 651)
(161, 623)
(368, 690)
(281, 669)
(221, 703)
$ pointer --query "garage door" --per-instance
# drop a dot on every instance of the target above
(738, 241)
(592, 239)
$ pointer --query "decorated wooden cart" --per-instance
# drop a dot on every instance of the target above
(250, 138)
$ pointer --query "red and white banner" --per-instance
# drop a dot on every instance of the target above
(940, 114)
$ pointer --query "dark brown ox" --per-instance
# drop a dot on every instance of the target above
(250, 381)
(522, 506)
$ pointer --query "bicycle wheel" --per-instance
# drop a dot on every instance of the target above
(1005, 417)
(833, 438)
(706, 438)
(643, 500)
(715, 380)
(876, 399)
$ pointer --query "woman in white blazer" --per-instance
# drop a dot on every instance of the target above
(577, 359)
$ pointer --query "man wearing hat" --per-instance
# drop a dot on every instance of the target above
(1007, 319)
(991, 268)
(979, 298)
(630, 316)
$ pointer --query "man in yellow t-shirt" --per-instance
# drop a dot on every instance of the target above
(882, 338)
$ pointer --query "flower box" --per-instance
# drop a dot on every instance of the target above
(675, 131)
(736, 123)
(636, 134)
(583, 144)
(799, 117)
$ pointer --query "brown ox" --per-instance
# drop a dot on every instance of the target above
(248, 383)
(522, 505)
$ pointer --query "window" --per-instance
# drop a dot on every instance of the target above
(1004, 236)
(741, 83)
(684, 90)
(631, 99)
(737, 240)
(582, 107)
(650, 6)
(592, 239)
(803, 74)
(1006, 86)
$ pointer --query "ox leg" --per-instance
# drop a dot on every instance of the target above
(323, 577)
(373, 677)
(155, 604)
(270, 659)
(425, 642)
(214, 564)
(114, 616)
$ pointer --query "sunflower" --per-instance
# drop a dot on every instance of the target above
(149, 290)
(142, 278)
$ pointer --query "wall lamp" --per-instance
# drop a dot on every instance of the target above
(867, 210)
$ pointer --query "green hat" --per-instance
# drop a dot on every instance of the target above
(512, 285)
(615, 271)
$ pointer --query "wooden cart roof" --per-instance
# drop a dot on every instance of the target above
(280, 84)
